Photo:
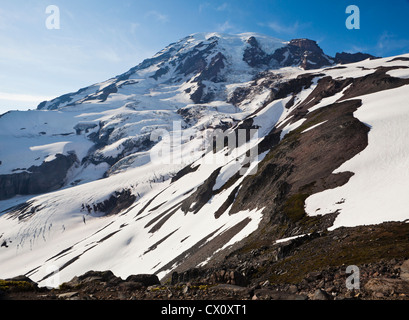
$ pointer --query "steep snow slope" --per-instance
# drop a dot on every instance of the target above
(107, 126)
(60, 232)
(377, 191)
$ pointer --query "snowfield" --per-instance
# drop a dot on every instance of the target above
(63, 230)
(377, 191)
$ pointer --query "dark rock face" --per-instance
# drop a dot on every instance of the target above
(105, 93)
(308, 55)
(162, 71)
(145, 279)
(311, 267)
(54, 104)
(344, 57)
(202, 195)
(304, 53)
(375, 82)
(306, 45)
(293, 86)
(195, 61)
(210, 276)
(47, 177)
(212, 71)
(116, 203)
(101, 138)
(254, 55)
(183, 172)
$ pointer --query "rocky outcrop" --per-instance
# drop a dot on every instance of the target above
(345, 57)
(254, 54)
(304, 53)
(382, 287)
(308, 55)
(201, 196)
(378, 281)
(49, 176)
(116, 203)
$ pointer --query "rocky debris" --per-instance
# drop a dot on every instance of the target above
(320, 294)
(404, 271)
(229, 277)
(384, 287)
(311, 267)
(308, 55)
(90, 276)
(270, 294)
(379, 281)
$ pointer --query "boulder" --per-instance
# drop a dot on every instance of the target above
(68, 295)
(105, 276)
(404, 270)
(320, 295)
(145, 279)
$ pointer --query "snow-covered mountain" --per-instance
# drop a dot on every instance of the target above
(124, 175)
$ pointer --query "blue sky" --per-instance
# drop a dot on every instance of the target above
(100, 39)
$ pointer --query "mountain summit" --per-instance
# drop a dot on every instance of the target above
(209, 155)
(213, 57)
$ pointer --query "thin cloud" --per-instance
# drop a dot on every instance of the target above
(203, 6)
(283, 28)
(388, 42)
(356, 48)
(160, 17)
(206, 5)
(224, 6)
(226, 26)
(134, 27)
